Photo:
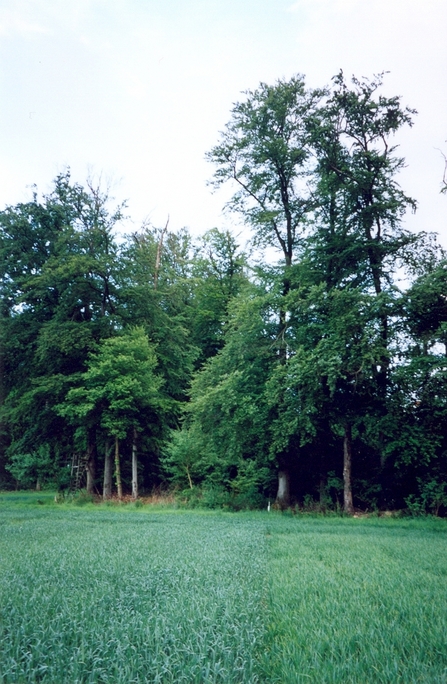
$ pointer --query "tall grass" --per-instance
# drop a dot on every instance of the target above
(357, 601)
(106, 596)
(125, 594)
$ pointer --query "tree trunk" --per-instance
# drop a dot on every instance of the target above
(134, 466)
(189, 477)
(322, 492)
(107, 484)
(91, 460)
(119, 485)
(322, 488)
(283, 495)
(348, 506)
(3, 432)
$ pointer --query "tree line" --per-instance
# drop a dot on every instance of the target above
(317, 378)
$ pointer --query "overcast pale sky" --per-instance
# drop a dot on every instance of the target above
(139, 89)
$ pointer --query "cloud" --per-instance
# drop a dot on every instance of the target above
(13, 25)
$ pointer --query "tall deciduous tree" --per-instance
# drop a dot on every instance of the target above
(359, 241)
(361, 204)
(163, 310)
(295, 155)
(264, 153)
(225, 435)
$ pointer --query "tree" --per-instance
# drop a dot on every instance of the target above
(119, 393)
(329, 380)
(224, 440)
(316, 175)
(218, 274)
(426, 305)
(264, 152)
(359, 241)
(361, 204)
(164, 310)
(416, 421)
(320, 365)
(58, 272)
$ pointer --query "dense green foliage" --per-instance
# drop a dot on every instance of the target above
(137, 594)
(206, 370)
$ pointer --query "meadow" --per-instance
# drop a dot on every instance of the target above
(127, 594)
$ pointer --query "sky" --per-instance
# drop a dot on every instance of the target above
(137, 91)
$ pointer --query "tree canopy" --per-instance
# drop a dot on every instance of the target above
(317, 378)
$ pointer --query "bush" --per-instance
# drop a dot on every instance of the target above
(82, 497)
(432, 497)
(218, 497)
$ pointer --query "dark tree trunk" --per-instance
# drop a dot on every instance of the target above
(134, 466)
(91, 460)
(119, 485)
(283, 495)
(323, 480)
(322, 492)
(348, 506)
(3, 442)
(108, 469)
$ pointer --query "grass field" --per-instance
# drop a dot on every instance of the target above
(125, 594)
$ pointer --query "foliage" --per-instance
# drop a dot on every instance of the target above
(157, 297)
(221, 375)
(226, 423)
(432, 497)
(264, 153)
(219, 273)
(29, 470)
(119, 384)
(59, 298)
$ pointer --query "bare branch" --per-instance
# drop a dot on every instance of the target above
(158, 257)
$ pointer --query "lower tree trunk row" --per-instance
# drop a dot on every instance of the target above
(283, 495)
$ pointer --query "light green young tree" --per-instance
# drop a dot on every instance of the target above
(120, 390)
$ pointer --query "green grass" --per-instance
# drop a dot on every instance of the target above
(125, 594)
(358, 601)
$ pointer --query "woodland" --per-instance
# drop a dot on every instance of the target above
(309, 369)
